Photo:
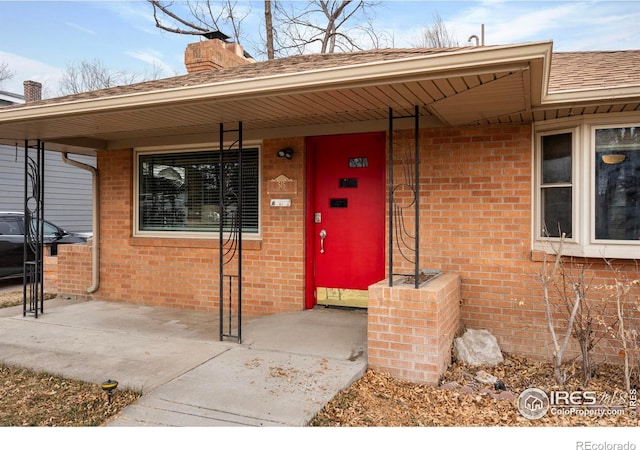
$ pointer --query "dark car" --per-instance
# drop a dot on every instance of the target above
(12, 242)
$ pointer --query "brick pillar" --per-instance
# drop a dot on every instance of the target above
(411, 331)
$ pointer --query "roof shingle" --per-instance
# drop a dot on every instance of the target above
(570, 70)
(598, 69)
(289, 65)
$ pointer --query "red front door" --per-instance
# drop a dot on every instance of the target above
(345, 239)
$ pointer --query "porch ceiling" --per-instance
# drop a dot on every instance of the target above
(454, 100)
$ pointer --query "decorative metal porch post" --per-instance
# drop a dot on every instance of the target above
(406, 242)
(33, 252)
(230, 235)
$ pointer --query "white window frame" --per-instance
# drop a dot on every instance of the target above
(170, 234)
(582, 242)
(575, 235)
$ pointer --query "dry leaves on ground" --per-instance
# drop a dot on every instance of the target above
(383, 401)
(38, 399)
(377, 399)
(29, 398)
(15, 298)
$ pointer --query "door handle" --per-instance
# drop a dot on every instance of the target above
(323, 234)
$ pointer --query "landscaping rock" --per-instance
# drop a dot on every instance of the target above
(478, 348)
(485, 377)
(507, 395)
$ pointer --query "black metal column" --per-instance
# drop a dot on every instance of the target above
(405, 241)
(230, 234)
(33, 269)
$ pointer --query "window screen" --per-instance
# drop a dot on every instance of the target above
(182, 191)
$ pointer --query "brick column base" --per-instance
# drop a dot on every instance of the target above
(411, 331)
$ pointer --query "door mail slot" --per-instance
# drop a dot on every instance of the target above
(348, 182)
(338, 203)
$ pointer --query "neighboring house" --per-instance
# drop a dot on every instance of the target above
(514, 142)
(9, 98)
(68, 197)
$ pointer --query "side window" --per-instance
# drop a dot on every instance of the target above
(9, 226)
(48, 229)
(617, 178)
(556, 185)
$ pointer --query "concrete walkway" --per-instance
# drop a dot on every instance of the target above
(287, 367)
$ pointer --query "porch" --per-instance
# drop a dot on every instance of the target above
(287, 368)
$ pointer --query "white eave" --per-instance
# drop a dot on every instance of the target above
(588, 95)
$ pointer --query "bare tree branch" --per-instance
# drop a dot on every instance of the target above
(84, 76)
(289, 28)
(5, 73)
(191, 27)
(199, 17)
(322, 26)
(559, 346)
(437, 36)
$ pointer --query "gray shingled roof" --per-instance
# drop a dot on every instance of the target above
(580, 70)
(571, 70)
(289, 65)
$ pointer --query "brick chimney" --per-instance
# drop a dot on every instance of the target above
(213, 54)
(32, 91)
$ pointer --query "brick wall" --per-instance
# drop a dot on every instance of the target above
(50, 269)
(476, 208)
(475, 222)
(73, 267)
(411, 331)
(184, 272)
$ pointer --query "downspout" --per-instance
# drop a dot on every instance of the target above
(95, 240)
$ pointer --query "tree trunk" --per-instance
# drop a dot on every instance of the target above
(586, 363)
(558, 373)
(268, 23)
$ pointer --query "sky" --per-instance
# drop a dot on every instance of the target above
(40, 39)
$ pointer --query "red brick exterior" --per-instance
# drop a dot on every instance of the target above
(476, 219)
(184, 272)
(411, 331)
(73, 267)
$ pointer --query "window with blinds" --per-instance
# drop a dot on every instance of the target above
(181, 191)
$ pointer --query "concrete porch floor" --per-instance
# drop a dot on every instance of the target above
(283, 372)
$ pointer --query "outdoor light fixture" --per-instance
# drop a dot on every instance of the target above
(285, 153)
(109, 386)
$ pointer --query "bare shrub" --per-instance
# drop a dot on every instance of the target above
(571, 309)
(624, 293)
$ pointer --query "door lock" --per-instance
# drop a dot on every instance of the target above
(323, 234)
